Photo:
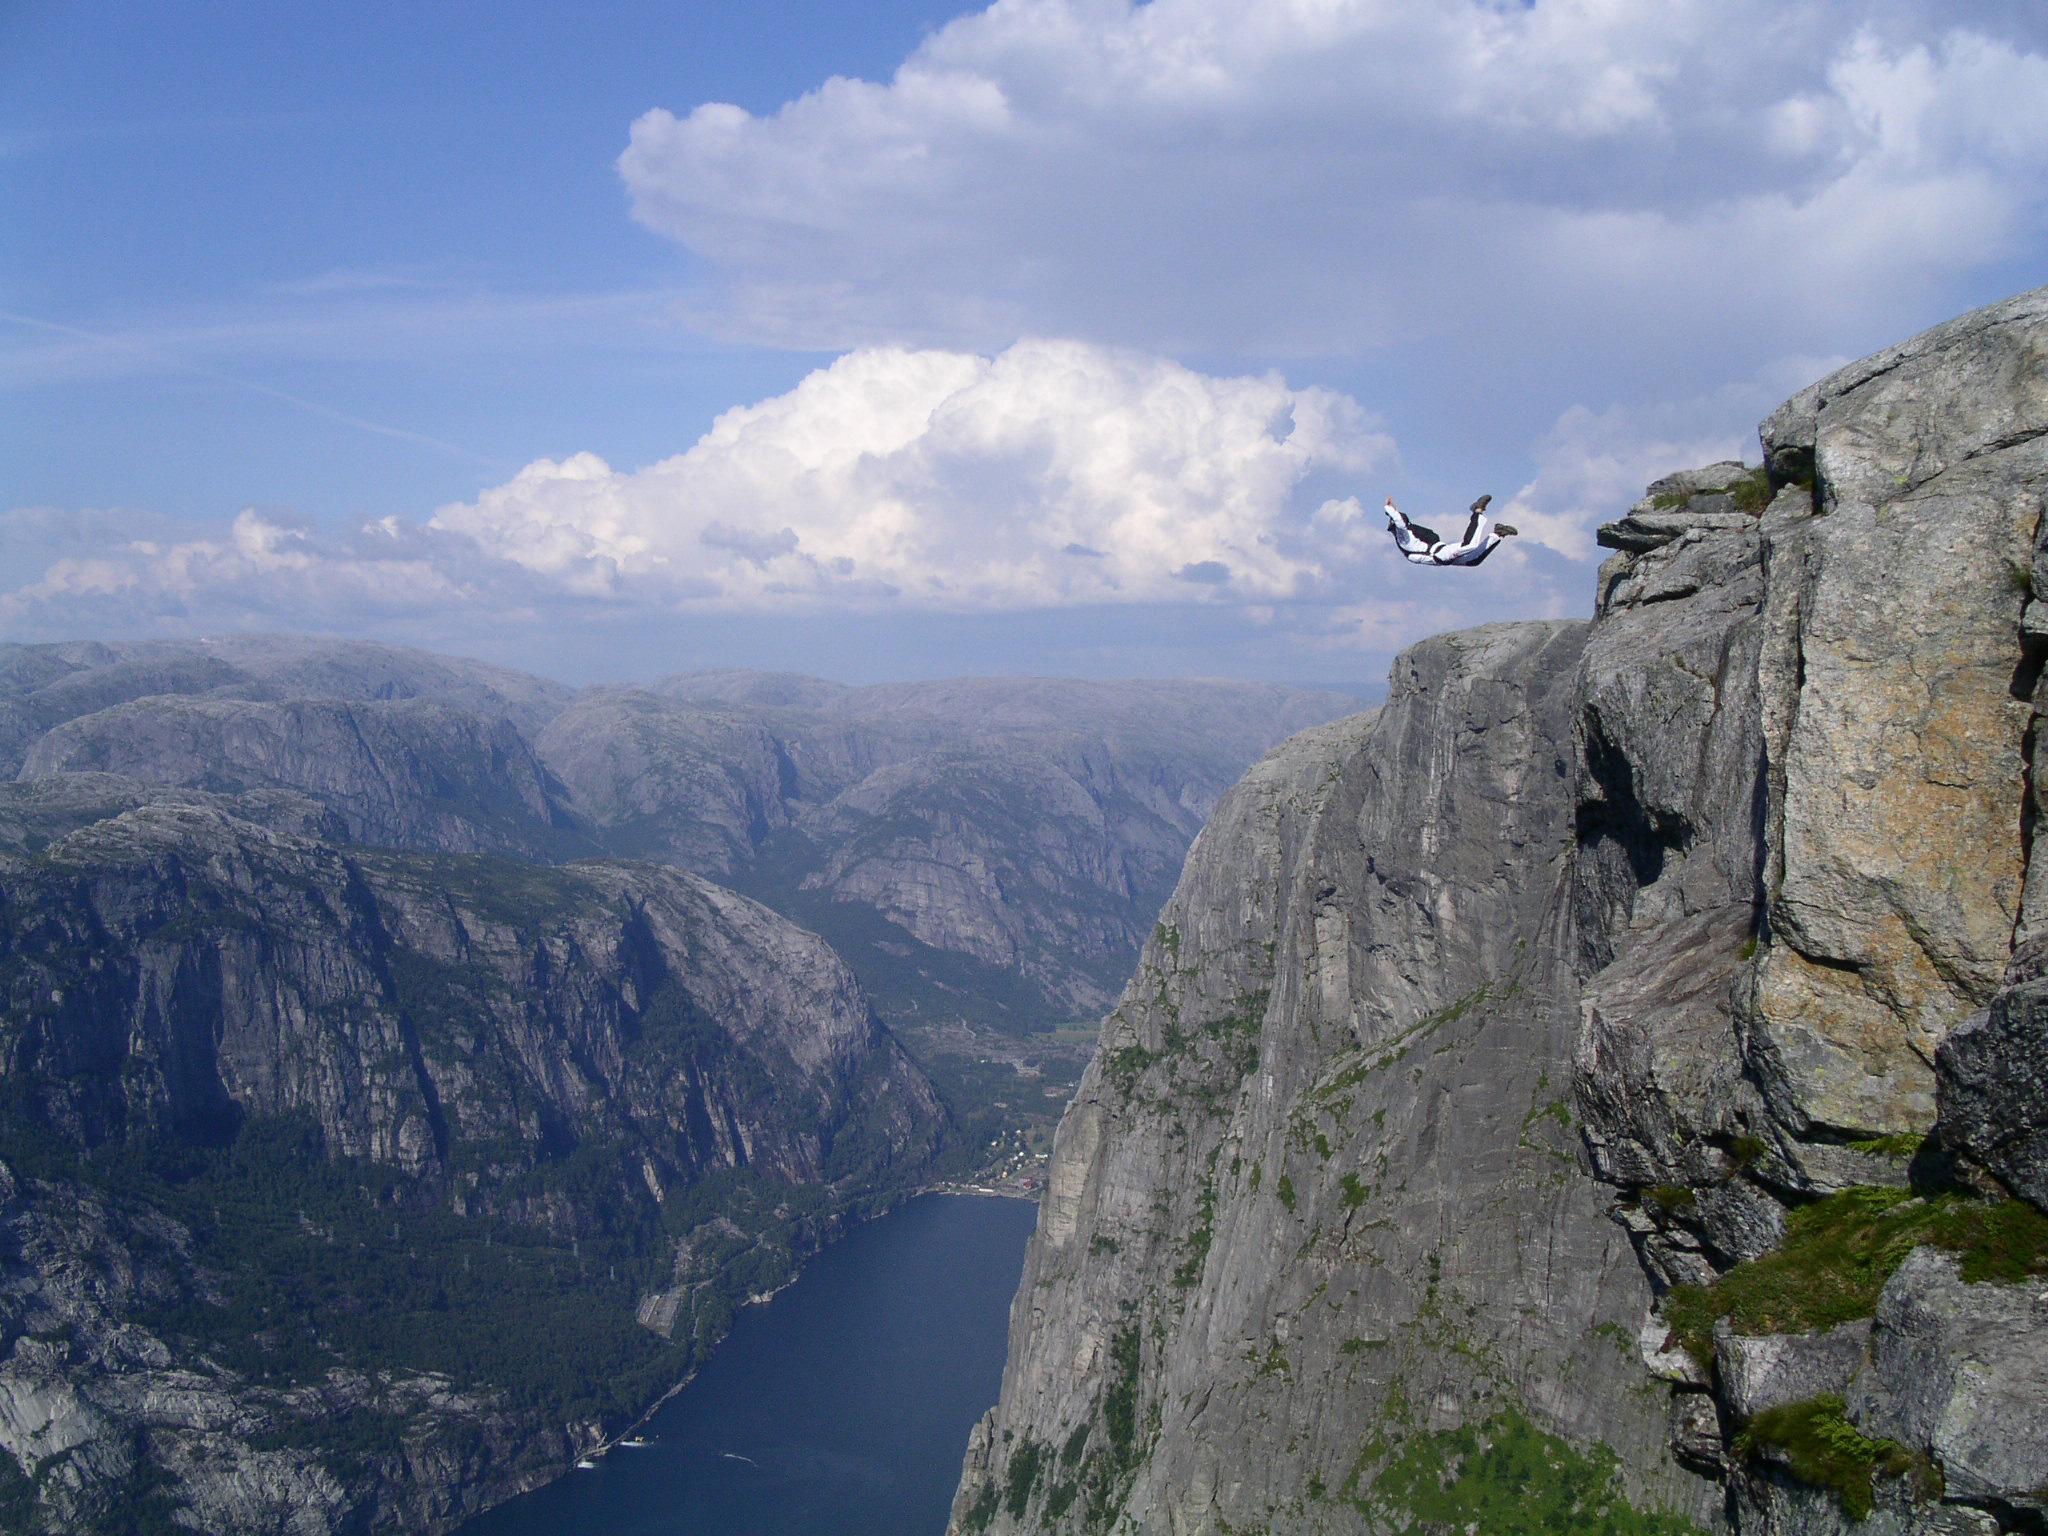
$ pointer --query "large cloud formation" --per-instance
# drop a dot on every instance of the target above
(1292, 177)
(1054, 474)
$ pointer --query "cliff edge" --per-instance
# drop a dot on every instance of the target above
(1603, 1088)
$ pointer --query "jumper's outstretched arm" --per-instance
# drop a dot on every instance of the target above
(1406, 539)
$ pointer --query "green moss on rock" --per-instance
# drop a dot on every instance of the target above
(1826, 1450)
(1506, 1477)
(1839, 1252)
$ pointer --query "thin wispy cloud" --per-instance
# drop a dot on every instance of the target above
(156, 355)
(333, 318)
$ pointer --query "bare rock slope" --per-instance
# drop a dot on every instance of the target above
(1603, 1088)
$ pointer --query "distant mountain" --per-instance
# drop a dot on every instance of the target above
(390, 1106)
(418, 773)
(44, 685)
(989, 849)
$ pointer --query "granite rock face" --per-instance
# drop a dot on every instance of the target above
(505, 1061)
(1961, 1371)
(1686, 918)
(1992, 1087)
(1319, 1193)
(42, 686)
(417, 774)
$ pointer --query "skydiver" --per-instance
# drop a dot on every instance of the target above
(1421, 546)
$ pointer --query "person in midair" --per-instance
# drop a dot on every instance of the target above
(1421, 546)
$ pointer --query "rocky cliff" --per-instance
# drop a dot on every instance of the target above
(1602, 1089)
(351, 1189)
(368, 1149)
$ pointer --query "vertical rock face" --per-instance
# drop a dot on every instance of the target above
(1807, 740)
(1722, 902)
(1318, 1196)
(419, 1010)
(233, 1057)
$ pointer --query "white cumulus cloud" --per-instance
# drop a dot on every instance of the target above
(1276, 177)
(1051, 474)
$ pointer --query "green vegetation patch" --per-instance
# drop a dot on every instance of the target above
(1826, 1450)
(1095, 1479)
(1506, 1477)
(1025, 1466)
(1891, 1146)
(1205, 1064)
(318, 1261)
(325, 1262)
(1120, 1398)
(1204, 1231)
(1752, 493)
(1839, 1252)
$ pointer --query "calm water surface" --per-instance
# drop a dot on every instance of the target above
(840, 1408)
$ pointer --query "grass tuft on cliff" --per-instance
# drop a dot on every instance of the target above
(1506, 1477)
(1826, 1450)
(1839, 1252)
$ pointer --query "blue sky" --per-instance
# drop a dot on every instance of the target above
(910, 340)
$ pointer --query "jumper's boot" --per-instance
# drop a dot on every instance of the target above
(1480, 504)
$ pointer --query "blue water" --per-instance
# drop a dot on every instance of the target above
(840, 1408)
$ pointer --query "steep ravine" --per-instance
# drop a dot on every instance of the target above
(1603, 1088)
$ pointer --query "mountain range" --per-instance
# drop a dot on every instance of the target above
(399, 1086)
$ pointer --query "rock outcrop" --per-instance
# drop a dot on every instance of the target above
(420, 773)
(1709, 929)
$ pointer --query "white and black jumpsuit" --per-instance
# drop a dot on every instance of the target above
(1421, 546)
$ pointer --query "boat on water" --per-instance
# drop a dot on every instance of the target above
(635, 1443)
(586, 1465)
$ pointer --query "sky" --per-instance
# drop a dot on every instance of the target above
(901, 339)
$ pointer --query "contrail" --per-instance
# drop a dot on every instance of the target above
(314, 406)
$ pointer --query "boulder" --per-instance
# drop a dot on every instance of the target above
(1991, 1083)
(1775, 1369)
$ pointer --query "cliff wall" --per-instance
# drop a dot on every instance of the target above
(1704, 930)
(354, 1189)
